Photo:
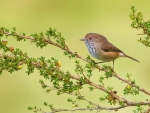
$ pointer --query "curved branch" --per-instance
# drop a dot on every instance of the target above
(80, 57)
(102, 88)
(100, 108)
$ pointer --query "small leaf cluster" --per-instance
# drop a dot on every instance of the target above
(139, 23)
(49, 105)
(35, 109)
(85, 71)
(56, 35)
(40, 39)
(8, 62)
(73, 102)
(130, 89)
(108, 73)
(111, 100)
(70, 55)
(139, 109)
(137, 18)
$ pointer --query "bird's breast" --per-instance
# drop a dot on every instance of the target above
(98, 53)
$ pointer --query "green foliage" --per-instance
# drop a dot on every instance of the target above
(108, 71)
(49, 105)
(129, 89)
(139, 23)
(65, 82)
(91, 88)
(139, 109)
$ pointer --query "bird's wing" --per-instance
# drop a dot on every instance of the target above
(110, 48)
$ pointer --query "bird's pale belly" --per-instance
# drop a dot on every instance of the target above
(100, 54)
(105, 56)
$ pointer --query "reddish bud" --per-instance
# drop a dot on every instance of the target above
(11, 48)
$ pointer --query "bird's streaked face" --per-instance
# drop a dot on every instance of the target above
(91, 42)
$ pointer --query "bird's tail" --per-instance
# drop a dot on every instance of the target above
(131, 58)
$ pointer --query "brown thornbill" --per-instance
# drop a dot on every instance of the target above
(100, 48)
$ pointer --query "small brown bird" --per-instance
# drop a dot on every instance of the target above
(100, 48)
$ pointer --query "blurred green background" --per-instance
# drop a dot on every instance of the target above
(74, 18)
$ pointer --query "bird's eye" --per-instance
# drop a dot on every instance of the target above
(90, 38)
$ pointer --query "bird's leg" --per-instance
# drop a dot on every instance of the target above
(113, 64)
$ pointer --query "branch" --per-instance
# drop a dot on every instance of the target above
(48, 67)
(99, 108)
(128, 103)
(78, 56)
(133, 85)
(147, 111)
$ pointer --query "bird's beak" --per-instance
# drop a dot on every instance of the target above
(82, 39)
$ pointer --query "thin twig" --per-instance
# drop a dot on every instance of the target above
(133, 85)
(147, 111)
